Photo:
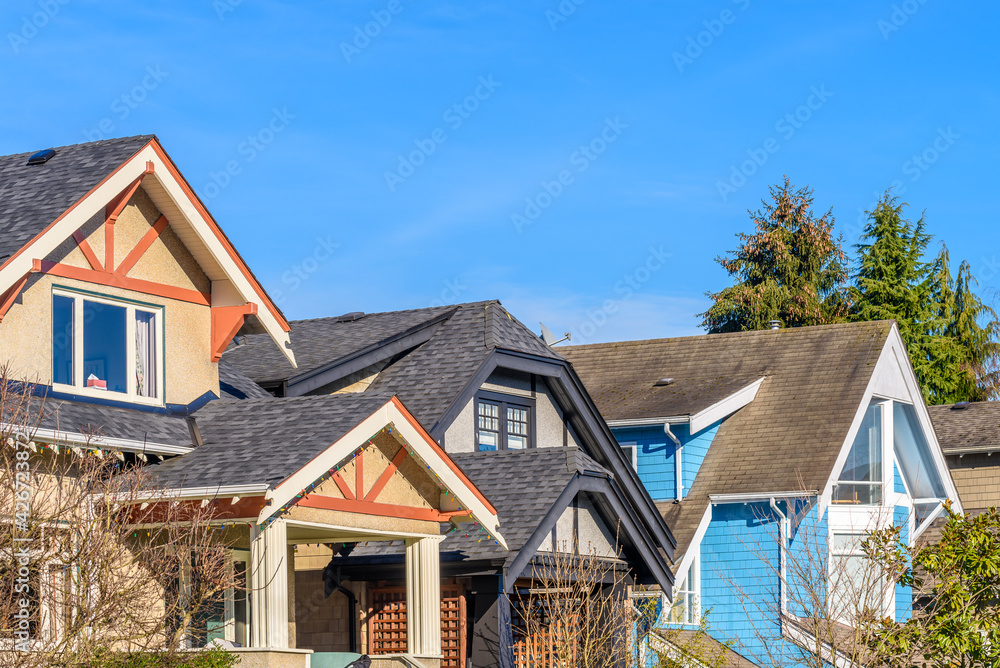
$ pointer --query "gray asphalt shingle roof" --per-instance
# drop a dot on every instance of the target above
(234, 385)
(253, 441)
(787, 439)
(976, 426)
(97, 420)
(32, 196)
(427, 379)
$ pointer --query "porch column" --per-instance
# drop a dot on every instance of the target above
(423, 596)
(269, 586)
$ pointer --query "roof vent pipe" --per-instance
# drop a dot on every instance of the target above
(774, 324)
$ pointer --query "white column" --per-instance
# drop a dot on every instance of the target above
(269, 586)
(423, 596)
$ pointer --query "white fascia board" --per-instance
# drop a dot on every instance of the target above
(649, 422)
(807, 641)
(754, 497)
(78, 214)
(71, 220)
(72, 439)
(205, 492)
(418, 440)
(694, 549)
(229, 265)
(724, 408)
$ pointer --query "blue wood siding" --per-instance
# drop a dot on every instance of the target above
(903, 595)
(656, 456)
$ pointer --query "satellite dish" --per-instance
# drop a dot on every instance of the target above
(549, 338)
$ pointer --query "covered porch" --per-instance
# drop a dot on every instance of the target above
(383, 479)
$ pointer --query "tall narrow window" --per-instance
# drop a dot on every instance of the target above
(102, 347)
(145, 354)
(517, 427)
(62, 339)
(489, 425)
(861, 478)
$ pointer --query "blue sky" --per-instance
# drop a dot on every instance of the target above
(565, 158)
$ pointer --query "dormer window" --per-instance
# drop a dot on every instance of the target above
(503, 422)
(107, 348)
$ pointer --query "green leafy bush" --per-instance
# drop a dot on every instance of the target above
(210, 658)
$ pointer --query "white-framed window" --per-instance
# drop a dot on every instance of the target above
(686, 608)
(107, 348)
(631, 451)
(854, 583)
(861, 480)
(46, 584)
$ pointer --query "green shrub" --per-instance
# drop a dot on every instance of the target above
(210, 658)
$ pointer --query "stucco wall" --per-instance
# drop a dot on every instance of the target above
(581, 530)
(550, 427)
(26, 330)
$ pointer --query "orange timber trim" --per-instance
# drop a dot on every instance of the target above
(221, 236)
(383, 479)
(226, 321)
(152, 234)
(7, 300)
(114, 280)
(88, 252)
(441, 453)
(378, 509)
(248, 509)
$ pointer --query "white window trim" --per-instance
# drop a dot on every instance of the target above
(692, 580)
(131, 396)
(242, 556)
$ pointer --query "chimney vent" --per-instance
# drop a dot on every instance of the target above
(775, 324)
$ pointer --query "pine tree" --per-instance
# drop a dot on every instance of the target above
(791, 268)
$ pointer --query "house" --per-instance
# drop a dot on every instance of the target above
(770, 454)
(119, 294)
(969, 433)
(415, 466)
(516, 419)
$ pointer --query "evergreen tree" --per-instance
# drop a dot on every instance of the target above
(791, 269)
(954, 357)
(980, 344)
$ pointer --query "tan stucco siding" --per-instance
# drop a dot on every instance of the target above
(26, 330)
(550, 427)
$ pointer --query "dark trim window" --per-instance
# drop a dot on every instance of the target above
(504, 422)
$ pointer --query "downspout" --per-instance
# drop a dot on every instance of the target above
(678, 467)
(782, 556)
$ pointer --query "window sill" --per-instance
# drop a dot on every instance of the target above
(107, 395)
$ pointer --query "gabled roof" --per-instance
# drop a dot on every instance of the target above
(426, 378)
(972, 428)
(254, 441)
(32, 196)
(548, 473)
(41, 206)
(787, 439)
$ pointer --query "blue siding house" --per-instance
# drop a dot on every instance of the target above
(771, 454)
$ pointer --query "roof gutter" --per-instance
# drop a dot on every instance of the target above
(210, 492)
(650, 422)
(761, 496)
(73, 439)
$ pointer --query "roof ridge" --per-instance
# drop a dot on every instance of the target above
(109, 140)
(410, 310)
(755, 332)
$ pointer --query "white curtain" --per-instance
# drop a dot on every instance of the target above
(145, 354)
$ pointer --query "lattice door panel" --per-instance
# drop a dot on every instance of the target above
(387, 623)
(452, 626)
